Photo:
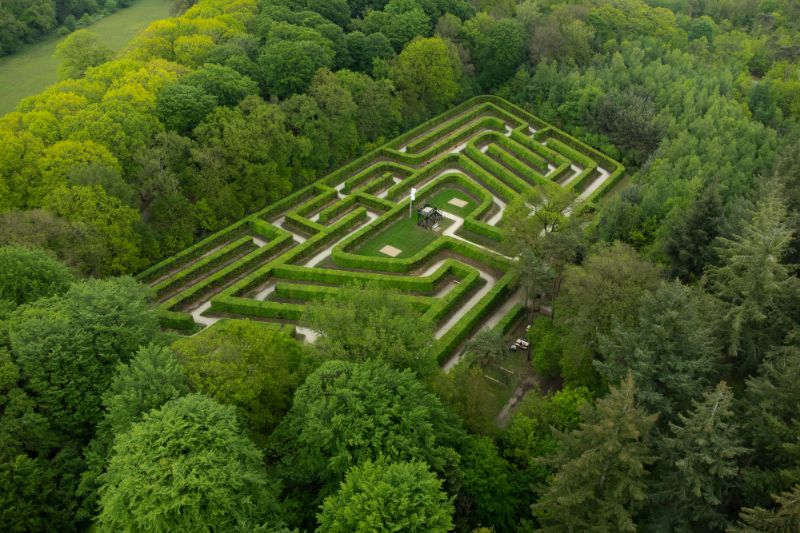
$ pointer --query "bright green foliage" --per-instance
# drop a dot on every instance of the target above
(699, 459)
(62, 159)
(784, 519)
(253, 366)
(363, 323)
(600, 484)
(113, 221)
(151, 378)
(427, 73)
(671, 350)
(757, 287)
(346, 413)
(400, 21)
(384, 496)
(67, 347)
(27, 274)
(81, 50)
(185, 467)
(530, 435)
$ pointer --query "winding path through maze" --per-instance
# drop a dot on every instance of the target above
(469, 162)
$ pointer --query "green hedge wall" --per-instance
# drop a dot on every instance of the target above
(447, 344)
(228, 253)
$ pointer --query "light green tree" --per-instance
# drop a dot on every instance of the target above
(382, 496)
(427, 74)
(186, 467)
(27, 274)
(346, 413)
(362, 323)
(67, 347)
(80, 50)
(255, 367)
(149, 380)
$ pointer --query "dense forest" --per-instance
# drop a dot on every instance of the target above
(671, 334)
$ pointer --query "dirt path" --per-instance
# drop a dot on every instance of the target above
(504, 416)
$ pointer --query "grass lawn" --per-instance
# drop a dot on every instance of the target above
(33, 68)
(403, 235)
(441, 198)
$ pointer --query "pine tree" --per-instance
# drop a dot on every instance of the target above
(600, 480)
(671, 350)
(689, 244)
(772, 413)
(757, 286)
(699, 465)
(784, 519)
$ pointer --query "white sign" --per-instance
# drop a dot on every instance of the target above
(413, 194)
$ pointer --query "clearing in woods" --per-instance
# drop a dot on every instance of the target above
(33, 68)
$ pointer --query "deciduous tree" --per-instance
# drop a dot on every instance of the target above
(185, 467)
(383, 496)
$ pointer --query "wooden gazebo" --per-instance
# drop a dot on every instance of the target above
(428, 216)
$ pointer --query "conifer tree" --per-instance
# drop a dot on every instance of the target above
(699, 465)
(600, 483)
(671, 351)
(772, 412)
(784, 519)
(757, 286)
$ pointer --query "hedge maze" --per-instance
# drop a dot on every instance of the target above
(354, 225)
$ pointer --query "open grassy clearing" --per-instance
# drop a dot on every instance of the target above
(404, 235)
(33, 68)
(442, 200)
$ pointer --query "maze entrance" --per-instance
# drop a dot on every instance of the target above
(355, 225)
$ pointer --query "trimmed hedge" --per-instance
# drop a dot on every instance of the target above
(559, 172)
(224, 275)
(520, 168)
(481, 176)
(230, 252)
(509, 319)
(306, 293)
(456, 335)
(191, 253)
(325, 195)
(442, 307)
(176, 320)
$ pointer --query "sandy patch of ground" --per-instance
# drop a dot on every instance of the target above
(391, 251)
(458, 202)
